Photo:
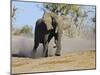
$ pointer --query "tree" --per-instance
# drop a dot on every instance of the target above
(26, 29)
(13, 14)
(62, 9)
(67, 9)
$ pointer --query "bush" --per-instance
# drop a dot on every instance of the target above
(24, 30)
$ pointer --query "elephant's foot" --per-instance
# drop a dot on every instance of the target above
(54, 46)
(33, 54)
(57, 54)
(45, 54)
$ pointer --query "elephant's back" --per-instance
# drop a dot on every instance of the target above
(40, 26)
(40, 30)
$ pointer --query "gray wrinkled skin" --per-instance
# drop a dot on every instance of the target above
(46, 28)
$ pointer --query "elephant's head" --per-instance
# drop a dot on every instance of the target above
(48, 20)
(52, 21)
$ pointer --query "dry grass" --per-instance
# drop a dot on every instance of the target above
(70, 61)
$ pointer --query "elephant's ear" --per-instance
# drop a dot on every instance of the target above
(49, 26)
(48, 21)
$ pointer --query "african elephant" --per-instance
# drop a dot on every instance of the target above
(46, 28)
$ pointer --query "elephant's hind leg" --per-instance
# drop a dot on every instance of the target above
(34, 49)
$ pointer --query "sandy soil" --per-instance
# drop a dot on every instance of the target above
(69, 61)
(76, 53)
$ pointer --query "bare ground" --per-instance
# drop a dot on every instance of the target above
(77, 53)
(69, 61)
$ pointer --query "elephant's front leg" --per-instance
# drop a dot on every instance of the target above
(58, 44)
(45, 46)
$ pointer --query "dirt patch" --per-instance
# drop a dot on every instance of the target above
(69, 61)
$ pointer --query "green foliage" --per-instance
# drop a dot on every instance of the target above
(25, 29)
(16, 33)
(62, 9)
(66, 9)
(51, 7)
